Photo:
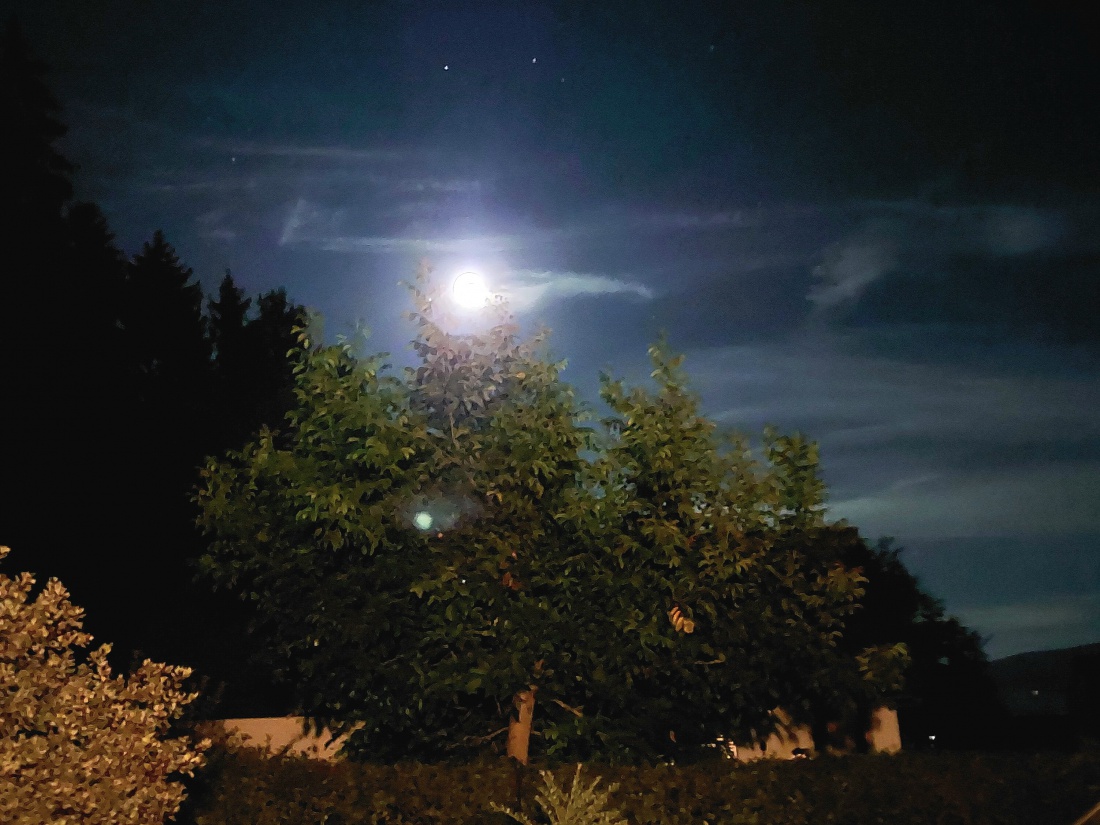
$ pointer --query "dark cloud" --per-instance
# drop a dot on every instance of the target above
(994, 272)
(843, 97)
(1047, 295)
(997, 94)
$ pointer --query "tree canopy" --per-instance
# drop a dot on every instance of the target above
(431, 554)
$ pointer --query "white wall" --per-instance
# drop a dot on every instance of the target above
(277, 734)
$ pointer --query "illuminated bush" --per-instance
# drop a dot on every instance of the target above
(77, 744)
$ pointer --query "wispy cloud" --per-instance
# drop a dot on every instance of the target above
(485, 244)
(914, 238)
(447, 185)
(343, 154)
(853, 266)
(693, 220)
(1015, 230)
(219, 234)
(307, 221)
(1040, 500)
(921, 449)
(215, 186)
(526, 289)
(865, 399)
(996, 228)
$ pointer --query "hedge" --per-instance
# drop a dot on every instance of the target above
(242, 787)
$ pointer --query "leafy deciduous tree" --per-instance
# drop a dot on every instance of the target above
(437, 557)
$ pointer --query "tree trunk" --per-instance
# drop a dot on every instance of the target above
(519, 726)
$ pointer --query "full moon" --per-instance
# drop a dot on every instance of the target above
(470, 290)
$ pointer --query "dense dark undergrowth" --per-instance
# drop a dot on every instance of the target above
(245, 788)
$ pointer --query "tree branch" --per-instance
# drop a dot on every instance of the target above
(479, 740)
(575, 711)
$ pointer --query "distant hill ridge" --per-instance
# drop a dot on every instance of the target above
(1049, 682)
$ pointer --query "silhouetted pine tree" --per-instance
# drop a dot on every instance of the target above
(271, 339)
(253, 374)
(36, 176)
(34, 190)
(82, 444)
(165, 332)
(113, 398)
(234, 369)
(227, 315)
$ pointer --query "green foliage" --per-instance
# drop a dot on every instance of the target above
(246, 788)
(581, 805)
(77, 744)
(419, 549)
(699, 524)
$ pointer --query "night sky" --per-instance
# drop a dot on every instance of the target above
(872, 222)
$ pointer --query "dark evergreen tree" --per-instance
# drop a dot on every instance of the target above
(166, 360)
(88, 291)
(233, 370)
(949, 692)
(85, 292)
(253, 375)
(113, 398)
(35, 188)
(166, 345)
(227, 315)
(36, 176)
(272, 338)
